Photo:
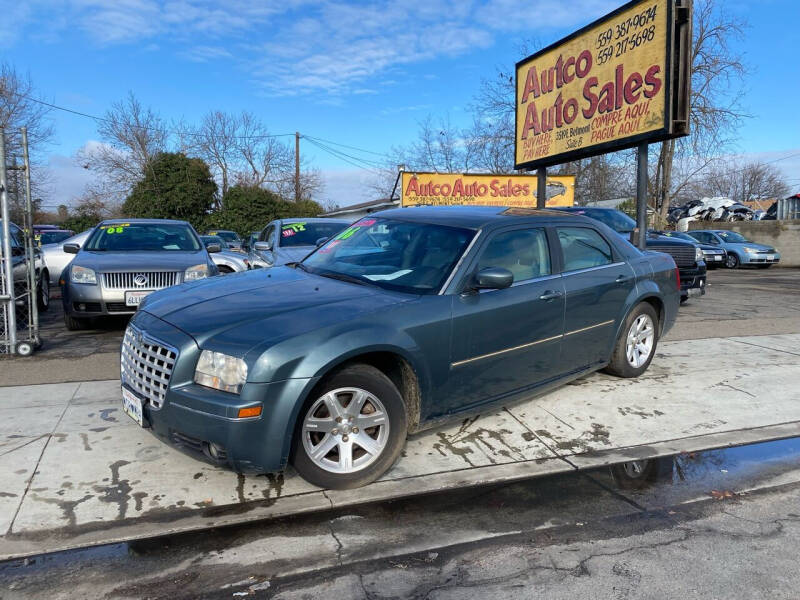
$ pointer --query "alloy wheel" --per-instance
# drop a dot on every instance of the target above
(345, 430)
(640, 341)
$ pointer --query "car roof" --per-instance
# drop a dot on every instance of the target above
(471, 217)
(144, 221)
(314, 220)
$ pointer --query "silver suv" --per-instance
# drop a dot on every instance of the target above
(124, 260)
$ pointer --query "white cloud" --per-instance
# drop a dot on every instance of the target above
(293, 47)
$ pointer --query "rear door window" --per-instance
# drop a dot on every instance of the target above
(583, 248)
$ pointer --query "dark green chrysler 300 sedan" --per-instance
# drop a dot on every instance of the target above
(406, 317)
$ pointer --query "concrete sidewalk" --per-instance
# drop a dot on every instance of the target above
(76, 471)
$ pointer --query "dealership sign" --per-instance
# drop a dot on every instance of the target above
(618, 82)
(443, 189)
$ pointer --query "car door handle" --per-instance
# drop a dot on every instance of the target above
(622, 279)
(551, 295)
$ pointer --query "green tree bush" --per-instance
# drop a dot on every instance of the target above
(174, 187)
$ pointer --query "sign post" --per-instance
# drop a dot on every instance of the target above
(641, 196)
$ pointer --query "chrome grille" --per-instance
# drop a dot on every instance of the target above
(144, 280)
(682, 255)
(146, 365)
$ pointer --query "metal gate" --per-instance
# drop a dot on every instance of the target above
(19, 317)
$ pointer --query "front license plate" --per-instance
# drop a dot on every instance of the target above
(717, 257)
(132, 405)
(135, 298)
(770, 257)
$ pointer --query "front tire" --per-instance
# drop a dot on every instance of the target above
(637, 342)
(732, 262)
(351, 429)
(43, 293)
(74, 324)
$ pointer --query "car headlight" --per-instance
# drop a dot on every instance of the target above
(196, 272)
(750, 250)
(82, 275)
(220, 371)
(698, 254)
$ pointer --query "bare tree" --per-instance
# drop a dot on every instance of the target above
(18, 109)
(741, 181)
(131, 136)
(715, 110)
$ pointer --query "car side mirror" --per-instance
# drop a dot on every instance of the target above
(263, 246)
(493, 278)
(321, 241)
(71, 248)
(213, 248)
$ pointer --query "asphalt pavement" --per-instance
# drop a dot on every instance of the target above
(739, 302)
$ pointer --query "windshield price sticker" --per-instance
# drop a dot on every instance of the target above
(294, 227)
(347, 232)
(115, 228)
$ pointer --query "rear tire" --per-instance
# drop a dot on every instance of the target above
(637, 342)
(75, 324)
(327, 448)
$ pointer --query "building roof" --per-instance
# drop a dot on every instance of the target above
(472, 217)
(370, 206)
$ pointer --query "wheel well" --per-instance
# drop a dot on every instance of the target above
(402, 375)
(658, 306)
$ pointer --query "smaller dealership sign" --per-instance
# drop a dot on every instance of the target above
(443, 189)
(618, 82)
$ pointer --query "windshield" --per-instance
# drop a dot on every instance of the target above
(228, 236)
(307, 234)
(213, 239)
(732, 237)
(408, 257)
(681, 235)
(53, 237)
(149, 237)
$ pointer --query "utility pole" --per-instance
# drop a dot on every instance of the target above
(297, 166)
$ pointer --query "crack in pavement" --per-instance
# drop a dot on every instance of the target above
(39, 460)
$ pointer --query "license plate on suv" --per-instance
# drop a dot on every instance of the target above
(135, 298)
(132, 405)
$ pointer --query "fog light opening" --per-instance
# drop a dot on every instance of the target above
(81, 307)
(215, 451)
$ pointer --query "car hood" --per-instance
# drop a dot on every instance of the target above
(140, 261)
(294, 253)
(747, 244)
(234, 313)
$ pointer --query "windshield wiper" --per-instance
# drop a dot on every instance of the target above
(344, 277)
(298, 265)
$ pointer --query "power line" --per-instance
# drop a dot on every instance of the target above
(346, 146)
(342, 156)
(371, 163)
(783, 158)
(172, 131)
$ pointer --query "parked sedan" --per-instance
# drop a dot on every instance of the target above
(20, 268)
(714, 256)
(226, 260)
(57, 259)
(405, 318)
(289, 240)
(740, 250)
(123, 261)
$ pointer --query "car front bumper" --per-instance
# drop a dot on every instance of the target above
(748, 258)
(693, 280)
(87, 300)
(714, 260)
(204, 422)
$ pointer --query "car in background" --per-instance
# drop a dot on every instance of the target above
(289, 240)
(740, 251)
(231, 237)
(406, 318)
(226, 260)
(714, 256)
(249, 243)
(57, 259)
(20, 266)
(52, 236)
(687, 255)
(123, 261)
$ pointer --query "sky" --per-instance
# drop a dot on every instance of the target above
(363, 74)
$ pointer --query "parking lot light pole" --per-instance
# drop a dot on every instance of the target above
(641, 195)
(11, 317)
